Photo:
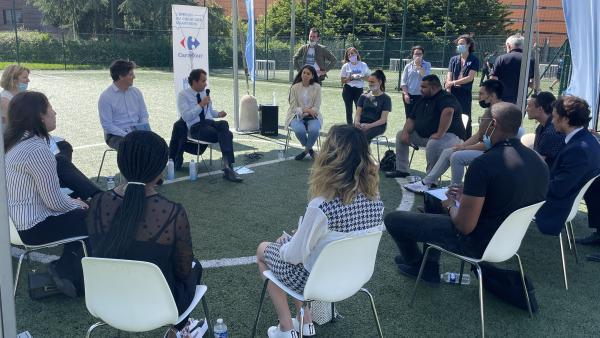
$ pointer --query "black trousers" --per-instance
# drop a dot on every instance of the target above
(350, 95)
(184, 292)
(113, 141)
(375, 131)
(408, 107)
(215, 131)
(465, 98)
(408, 228)
(179, 144)
(592, 200)
(70, 177)
(54, 228)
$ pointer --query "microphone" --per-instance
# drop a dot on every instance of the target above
(207, 92)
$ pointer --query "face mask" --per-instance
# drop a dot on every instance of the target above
(312, 43)
(460, 49)
(22, 87)
(487, 140)
(484, 104)
(352, 58)
(374, 88)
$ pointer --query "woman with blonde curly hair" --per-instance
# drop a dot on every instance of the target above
(344, 202)
(14, 79)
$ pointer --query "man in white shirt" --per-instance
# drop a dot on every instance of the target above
(121, 106)
(195, 108)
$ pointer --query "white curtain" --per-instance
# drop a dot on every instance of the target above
(582, 18)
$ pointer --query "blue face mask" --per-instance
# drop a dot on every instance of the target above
(487, 140)
(22, 87)
(460, 49)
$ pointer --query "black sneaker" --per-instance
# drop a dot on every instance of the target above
(593, 239)
(396, 173)
(431, 273)
(230, 175)
(64, 285)
(300, 156)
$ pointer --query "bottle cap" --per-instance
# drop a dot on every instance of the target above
(220, 321)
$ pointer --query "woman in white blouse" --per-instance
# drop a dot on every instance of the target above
(304, 115)
(344, 202)
(40, 211)
(354, 73)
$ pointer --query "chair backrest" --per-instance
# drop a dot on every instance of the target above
(528, 140)
(15, 239)
(128, 295)
(575, 206)
(342, 268)
(465, 120)
(506, 241)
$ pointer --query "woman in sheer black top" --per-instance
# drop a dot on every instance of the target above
(134, 222)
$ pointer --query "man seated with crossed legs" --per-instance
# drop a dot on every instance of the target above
(196, 109)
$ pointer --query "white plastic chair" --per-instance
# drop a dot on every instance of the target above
(198, 143)
(569, 229)
(289, 137)
(351, 260)
(15, 239)
(132, 296)
(504, 245)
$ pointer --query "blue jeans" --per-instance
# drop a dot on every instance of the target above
(307, 132)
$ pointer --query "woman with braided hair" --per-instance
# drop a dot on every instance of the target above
(135, 222)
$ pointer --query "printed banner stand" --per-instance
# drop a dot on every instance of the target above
(190, 42)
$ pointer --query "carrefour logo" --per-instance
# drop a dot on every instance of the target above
(190, 43)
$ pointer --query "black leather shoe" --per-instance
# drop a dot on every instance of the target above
(230, 175)
(300, 156)
(593, 239)
(64, 285)
(431, 273)
(396, 173)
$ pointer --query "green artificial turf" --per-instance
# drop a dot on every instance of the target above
(229, 220)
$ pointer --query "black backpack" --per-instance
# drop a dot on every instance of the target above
(388, 162)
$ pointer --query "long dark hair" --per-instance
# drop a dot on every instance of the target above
(25, 112)
(379, 75)
(142, 156)
(315, 77)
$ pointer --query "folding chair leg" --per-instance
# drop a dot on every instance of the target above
(564, 265)
(333, 319)
(302, 320)
(18, 272)
(412, 299)
(462, 270)
(524, 286)
(92, 328)
(287, 142)
(411, 157)
(480, 277)
(574, 247)
(101, 165)
(205, 307)
(568, 235)
(374, 311)
(84, 247)
(210, 154)
(262, 298)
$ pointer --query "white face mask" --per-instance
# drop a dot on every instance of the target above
(352, 58)
(374, 88)
(312, 43)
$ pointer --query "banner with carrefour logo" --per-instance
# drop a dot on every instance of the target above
(190, 42)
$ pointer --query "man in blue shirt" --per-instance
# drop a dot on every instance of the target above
(121, 106)
(195, 108)
(548, 141)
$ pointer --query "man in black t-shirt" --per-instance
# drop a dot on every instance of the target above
(507, 177)
(434, 122)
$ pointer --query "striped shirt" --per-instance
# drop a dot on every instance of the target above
(32, 184)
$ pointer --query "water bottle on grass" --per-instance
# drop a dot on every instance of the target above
(220, 329)
(170, 170)
(454, 277)
(193, 171)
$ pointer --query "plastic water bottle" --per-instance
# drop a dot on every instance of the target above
(193, 171)
(110, 182)
(220, 329)
(170, 170)
(454, 277)
(274, 99)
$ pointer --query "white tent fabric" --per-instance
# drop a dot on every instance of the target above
(582, 17)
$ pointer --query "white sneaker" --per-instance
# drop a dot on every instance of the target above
(308, 330)
(275, 332)
(417, 187)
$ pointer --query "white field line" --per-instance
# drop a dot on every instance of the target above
(406, 204)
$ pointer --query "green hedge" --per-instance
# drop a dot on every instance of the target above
(147, 50)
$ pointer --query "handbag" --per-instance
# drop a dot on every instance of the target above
(507, 285)
(388, 162)
(41, 285)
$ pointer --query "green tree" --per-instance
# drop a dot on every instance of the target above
(68, 13)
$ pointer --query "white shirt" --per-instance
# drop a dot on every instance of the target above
(571, 134)
(120, 111)
(312, 236)
(33, 190)
(360, 68)
(189, 110)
